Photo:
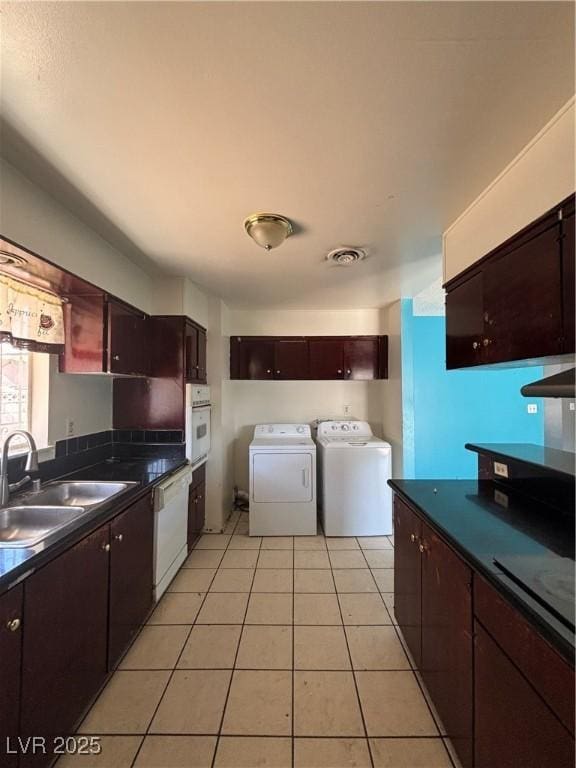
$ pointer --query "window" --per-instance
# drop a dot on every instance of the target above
(15, 381)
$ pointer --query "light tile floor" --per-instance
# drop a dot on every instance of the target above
(275, 652)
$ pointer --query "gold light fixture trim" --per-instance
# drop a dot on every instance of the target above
(268, 230)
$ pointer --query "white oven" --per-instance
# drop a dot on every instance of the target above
(197, 422)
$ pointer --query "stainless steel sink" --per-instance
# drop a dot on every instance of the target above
(76, 494)
(29, 525)
(37, 516)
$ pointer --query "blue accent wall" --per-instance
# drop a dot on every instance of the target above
(443, 410)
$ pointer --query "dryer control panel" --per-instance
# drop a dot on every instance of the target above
(344, 428)
(287, 430)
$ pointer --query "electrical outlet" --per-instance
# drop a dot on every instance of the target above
(69, 427)
(571, 406)
(532, 408)
(348, 410)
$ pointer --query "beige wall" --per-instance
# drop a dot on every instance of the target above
(254, 402)
(538, 178)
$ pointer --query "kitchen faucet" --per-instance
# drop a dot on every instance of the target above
(31, 465)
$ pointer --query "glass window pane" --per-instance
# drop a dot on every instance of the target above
(14, 393)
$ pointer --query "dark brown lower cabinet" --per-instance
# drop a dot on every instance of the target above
(514, 727)
(10, 657)
(408, 577)
(196, 505)
(446, 663)
(64, 641)
(131, 575)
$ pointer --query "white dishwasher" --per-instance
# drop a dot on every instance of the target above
(170, 528)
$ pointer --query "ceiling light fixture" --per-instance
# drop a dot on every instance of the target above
(268, 230)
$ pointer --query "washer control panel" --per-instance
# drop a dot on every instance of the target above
(344, 429)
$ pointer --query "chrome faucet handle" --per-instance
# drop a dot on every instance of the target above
(20, 484)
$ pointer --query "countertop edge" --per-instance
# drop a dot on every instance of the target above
(547, 631)
(104, 514)
(492, 450)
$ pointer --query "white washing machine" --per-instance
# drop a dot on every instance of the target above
(282, 481)
(354, 467)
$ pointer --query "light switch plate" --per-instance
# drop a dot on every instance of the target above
(532, 408)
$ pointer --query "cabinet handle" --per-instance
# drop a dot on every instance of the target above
(277, 371)
(13, 625)
(116, 357)
(486, 342)
(348, 371)
(339, 370)
(423, 547)
(475, 345)
(106, 547)
(413, 537)
(268, 370)
(119, 537)
(199, 498)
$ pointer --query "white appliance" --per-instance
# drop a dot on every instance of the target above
(170, 528)
(197, 422)
(282, 481)
(354, 466)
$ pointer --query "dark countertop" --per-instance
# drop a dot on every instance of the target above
(562, 462)
(484, 522)
(16, 563)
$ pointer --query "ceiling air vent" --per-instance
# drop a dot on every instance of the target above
(10, 258)
(344, 257)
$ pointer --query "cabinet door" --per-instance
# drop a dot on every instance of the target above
(131, 574)
(447, 664)
(127, 340)
(465, 323)
(64, 642)
(202, 369)
(251, 358)
(568, 279)
(10, 660)
(408, 577)
(512, 725)
(326, 358)
(200, 507)
(84, 321)
(291, 359)
(191, 352)
(361, 358)
(522, 300)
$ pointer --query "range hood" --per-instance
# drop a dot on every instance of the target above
(562, 384)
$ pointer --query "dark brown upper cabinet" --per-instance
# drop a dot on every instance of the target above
(517, 303)
(105, 335)
(195, 353)
(312, 357)
(291, 359)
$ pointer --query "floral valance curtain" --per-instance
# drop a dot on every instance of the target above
(30, 318)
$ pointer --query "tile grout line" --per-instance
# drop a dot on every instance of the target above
(233, 670)
(171, 675)
(292, 741)
(352, 670)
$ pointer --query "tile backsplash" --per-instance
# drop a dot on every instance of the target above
(74, 445)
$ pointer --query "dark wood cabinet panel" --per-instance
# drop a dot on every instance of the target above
(196, 505)
(327, 358)
(131, 575)
(547, 671)
(128, 344)
(84, 349)
(522, 311)
(465, 323)
(513, 725)
(446, 662)
(65, 640)
(408, 577)
(191, 352)
(251, 358)
(517, 303)
(10, 659)
(568, 277)
(361, 359)
(202, 348)
(309, 357)
(291, 359)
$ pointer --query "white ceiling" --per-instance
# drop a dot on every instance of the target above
(373, 124)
